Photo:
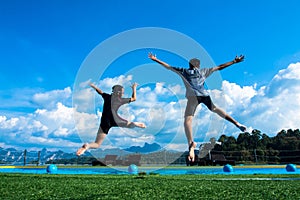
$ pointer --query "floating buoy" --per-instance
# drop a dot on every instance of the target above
(228, 168)
(291, 168)
(51, 169)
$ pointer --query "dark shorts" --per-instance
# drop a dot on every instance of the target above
(193, 102)
(107, 123)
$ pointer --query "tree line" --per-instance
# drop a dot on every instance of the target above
(259, 147)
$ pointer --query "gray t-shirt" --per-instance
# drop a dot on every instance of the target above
(194, 80)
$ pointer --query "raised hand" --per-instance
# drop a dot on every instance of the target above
(152, 56)
(238, 59)
(134, 85)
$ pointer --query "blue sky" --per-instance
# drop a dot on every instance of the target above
(44, 44)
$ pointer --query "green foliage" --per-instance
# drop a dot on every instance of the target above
(25, 186)
(259, 147)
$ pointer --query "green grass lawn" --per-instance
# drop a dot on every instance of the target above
(47, 186)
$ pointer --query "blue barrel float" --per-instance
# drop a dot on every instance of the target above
(227, 168)
(51, 169)
(290, 168)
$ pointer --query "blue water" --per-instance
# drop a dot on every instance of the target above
(162, 171)
(220, 171)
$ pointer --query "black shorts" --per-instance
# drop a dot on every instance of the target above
(194, 101)
(107, 123)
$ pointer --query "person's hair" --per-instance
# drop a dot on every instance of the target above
(116, 89)
(194, 63)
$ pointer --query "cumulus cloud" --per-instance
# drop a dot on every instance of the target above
(50, 98)
(47, 126)
(269, 108)
(107, 83)
(291, 72)
(236, 95)
(43, 126)
(57, 123)
(279, 106)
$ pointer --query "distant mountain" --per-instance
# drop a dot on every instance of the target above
(147, 148)
(10, 155)
(13, 156)
(49, 155)
(16, 157)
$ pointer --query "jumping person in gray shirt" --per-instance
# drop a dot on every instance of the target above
(194, 79)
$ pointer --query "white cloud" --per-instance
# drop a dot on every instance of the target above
(270, 108)
(59, 115)
(61, 131)
(8, 123)
(292, 72)
(107, 83)
(37, 125)
(49, 99)
(160, 89)
(237, 95)
(22, 123)
(161, 106)
(286, 81)
(52, 119)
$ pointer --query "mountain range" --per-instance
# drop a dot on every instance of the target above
(16, 157)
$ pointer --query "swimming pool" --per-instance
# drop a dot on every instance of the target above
(257, 169)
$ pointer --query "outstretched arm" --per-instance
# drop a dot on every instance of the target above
(237, 59)
(154, 58)
(133, 96)
(97, 89)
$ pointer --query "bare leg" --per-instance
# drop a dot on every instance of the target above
(188, 120)
(224, 115)
(93, 145)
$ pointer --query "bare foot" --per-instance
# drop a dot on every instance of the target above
(192, 147)
(241, 127)
(81, 150)
(139, 124)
